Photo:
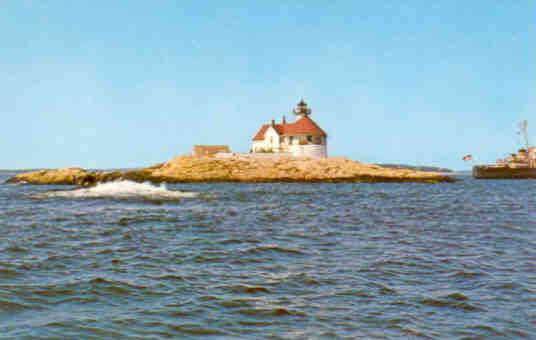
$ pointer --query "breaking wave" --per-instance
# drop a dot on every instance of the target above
(122, 189)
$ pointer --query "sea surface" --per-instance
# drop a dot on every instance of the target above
(269, 261)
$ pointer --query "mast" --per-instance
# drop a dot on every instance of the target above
(523, 129)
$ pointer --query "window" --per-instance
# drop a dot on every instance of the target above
(290, 140)
(309, 138)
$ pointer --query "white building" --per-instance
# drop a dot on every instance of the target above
(301, 138)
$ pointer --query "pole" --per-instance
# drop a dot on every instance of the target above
(523, 125)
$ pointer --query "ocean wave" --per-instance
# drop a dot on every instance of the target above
(121, 190)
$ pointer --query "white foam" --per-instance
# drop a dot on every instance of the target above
(122, 189)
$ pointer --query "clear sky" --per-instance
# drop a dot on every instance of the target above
(105, 84)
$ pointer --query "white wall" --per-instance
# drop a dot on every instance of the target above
(311, 150)
(270, 142)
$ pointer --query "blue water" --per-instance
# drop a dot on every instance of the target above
(275, 261)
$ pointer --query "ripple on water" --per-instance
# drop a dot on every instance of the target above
(15, 248)
(247, 289)
(270, 312)
(467, 274)
(8, 273)
(272, 248)
(195, 329)
(10, 306)
(456, 300)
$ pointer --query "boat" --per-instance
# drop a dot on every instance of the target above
(503, 172)
(520, 165)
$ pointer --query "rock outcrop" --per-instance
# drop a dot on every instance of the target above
(59, 176)
(237, 169)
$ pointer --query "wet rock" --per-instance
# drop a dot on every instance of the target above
(73, 176)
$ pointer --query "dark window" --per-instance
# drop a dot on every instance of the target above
(309, 138)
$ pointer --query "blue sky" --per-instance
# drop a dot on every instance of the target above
(100, 85)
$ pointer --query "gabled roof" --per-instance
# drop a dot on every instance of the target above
(262, 131)
(303, 126)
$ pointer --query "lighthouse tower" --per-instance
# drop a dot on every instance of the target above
(301, 110)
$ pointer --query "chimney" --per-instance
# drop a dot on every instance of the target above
(284, 120)
(273, 122)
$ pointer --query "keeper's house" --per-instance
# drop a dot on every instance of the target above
(209, 150)
(301, 138)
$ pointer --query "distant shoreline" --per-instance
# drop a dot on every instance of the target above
(416, 167)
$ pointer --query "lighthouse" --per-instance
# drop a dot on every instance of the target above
(302, 138)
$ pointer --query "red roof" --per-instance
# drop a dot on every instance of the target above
(303, 126)
(262, 131)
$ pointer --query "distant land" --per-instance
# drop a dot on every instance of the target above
(415, 167)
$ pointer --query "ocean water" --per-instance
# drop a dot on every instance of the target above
(269, 261)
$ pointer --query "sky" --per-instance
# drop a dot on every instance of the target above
(114, 84)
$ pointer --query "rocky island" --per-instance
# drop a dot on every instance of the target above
(184, 169)
(280, 152)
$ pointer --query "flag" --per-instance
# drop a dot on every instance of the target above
(468, 158)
